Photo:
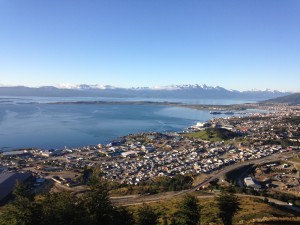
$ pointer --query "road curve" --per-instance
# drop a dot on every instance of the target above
(139, 199)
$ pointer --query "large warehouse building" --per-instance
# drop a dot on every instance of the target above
(8, 182)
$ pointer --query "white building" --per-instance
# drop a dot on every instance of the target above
(251, 182)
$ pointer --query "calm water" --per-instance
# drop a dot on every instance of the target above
(30, 122)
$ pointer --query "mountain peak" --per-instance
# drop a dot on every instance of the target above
(84, 86)
(181, 87)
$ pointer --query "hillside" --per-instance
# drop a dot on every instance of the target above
(289, 99)
(212, 134)
(252, 209)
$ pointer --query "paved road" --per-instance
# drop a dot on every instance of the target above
(140, 199)
(215, 175)
(222, 172)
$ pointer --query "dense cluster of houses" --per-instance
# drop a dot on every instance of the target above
(140, 157)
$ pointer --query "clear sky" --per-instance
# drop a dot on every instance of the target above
(231, 43)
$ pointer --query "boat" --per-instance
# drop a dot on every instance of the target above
(215, 112)
(229, 113)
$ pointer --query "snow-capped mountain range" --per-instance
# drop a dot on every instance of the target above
(84, 86)
(167, 88)
(101, 87)
(172, 91)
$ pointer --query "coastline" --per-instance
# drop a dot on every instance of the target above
(236, 107)
(225, 110)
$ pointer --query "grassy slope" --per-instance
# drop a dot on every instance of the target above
(251, 209)
(297, 160)
(212, 134)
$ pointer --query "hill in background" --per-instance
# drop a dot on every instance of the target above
(289, 99)
(213, 134)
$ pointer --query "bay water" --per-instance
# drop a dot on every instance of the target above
(39, 123)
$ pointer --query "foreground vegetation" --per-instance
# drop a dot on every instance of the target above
(251, 209)
(95, 207)
(91, 209)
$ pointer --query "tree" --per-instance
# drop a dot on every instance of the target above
(146, 216)
(22, 210)
(22, 191)
(95, 177)
(98, 204)
(63, 209)
(228, 205)
(121, 216)
(188, 212)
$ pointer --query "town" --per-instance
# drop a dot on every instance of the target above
(138, 158)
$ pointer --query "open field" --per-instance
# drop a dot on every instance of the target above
(212, 134)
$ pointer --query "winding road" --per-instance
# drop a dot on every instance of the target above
(141, 199)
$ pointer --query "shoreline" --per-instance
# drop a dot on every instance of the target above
(236, 107)
(220, 109)
(11, 149)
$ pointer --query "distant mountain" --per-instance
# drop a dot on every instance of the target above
(173, 91)
(289, 99)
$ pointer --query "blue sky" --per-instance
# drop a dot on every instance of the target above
(235, 44)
